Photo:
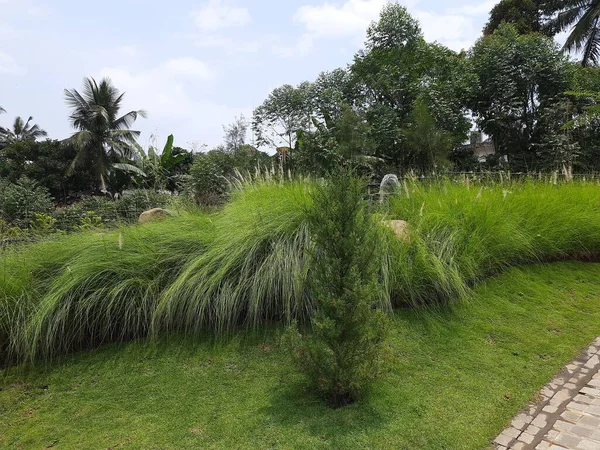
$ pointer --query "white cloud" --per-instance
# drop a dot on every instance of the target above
(457, 27)
(9, 65)
(220, 14)
(348, 19)
(174, 101)
(453, 30)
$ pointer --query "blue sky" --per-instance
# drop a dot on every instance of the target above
(192, 65)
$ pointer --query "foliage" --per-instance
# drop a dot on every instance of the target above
(343, 354)
(429, 146)
(520, 77)
(108, 212)
(207, 182)
(582, 19)
(210, 174)
(337, 142)
(46, 163)
(396, 50)
(20, 202)
(235, 134)
(527, 16)
(160, 170)
(104, 140)
(21, 131)
(282, 114)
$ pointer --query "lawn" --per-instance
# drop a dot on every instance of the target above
(456, 377)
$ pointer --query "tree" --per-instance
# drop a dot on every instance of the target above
(428, 145)
(235, 133)
(343, 354)
(104, 139)
(582, 18)
(2, 110)
(21, 131)
(341, 141)
(159, 168)
(396, 68)
(45, 162)
(518, 77)
(286, 110)
(526, 15)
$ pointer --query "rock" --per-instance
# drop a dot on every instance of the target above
(400, 228)
(153, 215)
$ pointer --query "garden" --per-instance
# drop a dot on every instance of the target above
(277, 293)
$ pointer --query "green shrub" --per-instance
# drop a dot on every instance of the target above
(207, 182)
(21, 201)
(343, 354)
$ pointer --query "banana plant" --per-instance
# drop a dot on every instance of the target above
(158, 167)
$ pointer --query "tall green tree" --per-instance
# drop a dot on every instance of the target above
(104, 139)
(582, 18)
(21, 131)
(396, 68)
(518, 77)
(526, 15)
(286, 110)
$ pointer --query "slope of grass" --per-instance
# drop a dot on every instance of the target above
(460, 234)
(246, 265)
(455, 379)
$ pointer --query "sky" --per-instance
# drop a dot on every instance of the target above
(192, 65)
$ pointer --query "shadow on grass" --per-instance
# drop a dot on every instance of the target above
(294, 405)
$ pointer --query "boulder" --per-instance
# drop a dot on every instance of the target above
(400, 228)
(153, 215)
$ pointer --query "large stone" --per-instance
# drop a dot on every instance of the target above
(400, 228)
(153, 215)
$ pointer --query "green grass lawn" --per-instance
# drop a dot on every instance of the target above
(455, 379)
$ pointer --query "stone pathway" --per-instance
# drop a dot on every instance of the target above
(568, 413)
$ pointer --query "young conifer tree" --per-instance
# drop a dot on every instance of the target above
(343, 353)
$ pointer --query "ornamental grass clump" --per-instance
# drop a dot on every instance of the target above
(342, 355)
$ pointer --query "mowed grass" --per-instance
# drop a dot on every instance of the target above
(456, 377)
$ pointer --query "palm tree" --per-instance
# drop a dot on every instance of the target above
(103, 138)
(582, 17)
(21, 131)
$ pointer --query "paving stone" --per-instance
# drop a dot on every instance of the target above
(532, 429)
(568, 440)
(519, 446)
(590, 421)
(584, 399)
(562, 425)
(588, 445)
(590, 391)
(578, 430)
(541, 420)
(503, 439)
(595, 410)
(512, 432)
(577, 406)
(527, 438)
(572, 416)
(543, 446)
(550, 409)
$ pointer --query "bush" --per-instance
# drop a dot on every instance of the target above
(21, 201)
(110, 212)
(343, 355)
(207, 182)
